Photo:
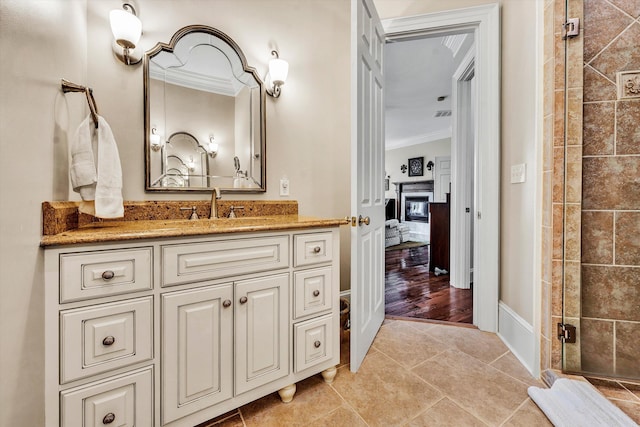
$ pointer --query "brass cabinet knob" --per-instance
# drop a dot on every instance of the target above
(108, 275)
(317, 344)
(316, 293)
(226, 303)
(107, 341)
(109, 418)
(243, 300)
(317, 250)
(364, 220)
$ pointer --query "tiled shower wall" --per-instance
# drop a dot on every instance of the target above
(611, 191)
(591, 189)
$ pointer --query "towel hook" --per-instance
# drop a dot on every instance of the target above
(68, 86)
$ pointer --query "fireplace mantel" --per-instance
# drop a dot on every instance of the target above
(410, 187)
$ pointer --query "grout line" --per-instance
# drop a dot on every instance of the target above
(427, 409)
(611, 42)
(629, 15)
(613, 238)
(615, 327)
(589, 156)
(516, 410)
(347, 403)
(601, 74)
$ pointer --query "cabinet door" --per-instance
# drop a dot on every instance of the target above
(197, 345)
(262, 332)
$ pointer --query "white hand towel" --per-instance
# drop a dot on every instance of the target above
(101, 192)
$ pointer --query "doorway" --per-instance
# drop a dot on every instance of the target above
(420, 109)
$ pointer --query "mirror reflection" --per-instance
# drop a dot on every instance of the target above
(204, 115)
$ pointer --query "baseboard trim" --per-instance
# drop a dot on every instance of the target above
(517, 335)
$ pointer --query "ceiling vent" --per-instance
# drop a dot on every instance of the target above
(442, 113)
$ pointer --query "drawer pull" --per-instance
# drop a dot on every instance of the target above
(243, 300)
(317, 250)
(109, 418)
(317, 344)
(107, 341)
(316, 293)
(108, 275)
(226, 303)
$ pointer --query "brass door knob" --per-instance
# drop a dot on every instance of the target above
(364, 220)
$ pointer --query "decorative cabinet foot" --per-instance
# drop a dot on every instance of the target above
(286, 393)
(329, 374)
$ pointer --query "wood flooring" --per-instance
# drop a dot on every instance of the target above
(412, 291)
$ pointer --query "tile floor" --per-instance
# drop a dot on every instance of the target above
(416, 374)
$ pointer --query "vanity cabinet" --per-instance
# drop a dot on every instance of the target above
(176, 331)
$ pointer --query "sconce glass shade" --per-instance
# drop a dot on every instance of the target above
(212, 147)
(126, 28)
(278, 70)
(155, 140)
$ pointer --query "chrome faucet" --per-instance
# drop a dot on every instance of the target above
(215, 195)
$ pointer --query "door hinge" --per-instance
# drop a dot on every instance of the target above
(571, 28)
(566, 333)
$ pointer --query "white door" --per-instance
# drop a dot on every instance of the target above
(367, 179)
(442, 180)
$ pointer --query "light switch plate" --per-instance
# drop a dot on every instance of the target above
(518, 173)
(284, 187)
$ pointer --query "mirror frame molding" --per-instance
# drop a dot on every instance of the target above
(169, 47)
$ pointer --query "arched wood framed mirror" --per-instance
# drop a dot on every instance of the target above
(199, 84)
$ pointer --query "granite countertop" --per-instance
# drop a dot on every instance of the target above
(63, 225)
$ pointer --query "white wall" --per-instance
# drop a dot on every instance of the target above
(395, 158)
(308, 132)
(40, 42)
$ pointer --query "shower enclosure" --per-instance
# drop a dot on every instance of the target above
(591, 216)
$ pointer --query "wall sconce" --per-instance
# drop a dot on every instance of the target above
(212, 148)
(155, 140)
(430, 165)
(191, 164)
(278, 70)
(126, 29)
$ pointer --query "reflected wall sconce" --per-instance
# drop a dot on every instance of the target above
(278, 70)
(127, 29)
(212, 148)
(430, 165)
(155, 139)
(191, 164)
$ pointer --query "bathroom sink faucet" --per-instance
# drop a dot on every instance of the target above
(215, 195)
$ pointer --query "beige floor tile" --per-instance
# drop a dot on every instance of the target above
(383, 392)
(445, 413)
(486, 392)
(629, 408)
(510, 365)
(344, 416)
(407, 345)
(481, 345)
(313, 399)
(528, 415)
(611, 389)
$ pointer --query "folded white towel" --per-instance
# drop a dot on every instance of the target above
(392, 223)
(100, 187)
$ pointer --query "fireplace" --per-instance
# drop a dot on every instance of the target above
(416, 208)
(413, 199)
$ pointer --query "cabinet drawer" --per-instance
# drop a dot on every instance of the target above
(104, 273)
(312, 248)
(104, 337)
(313, 342)
(211, 260)
(126, 400)
(312, 291)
